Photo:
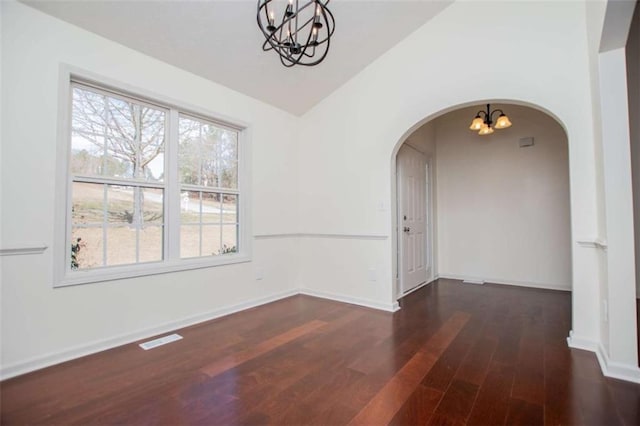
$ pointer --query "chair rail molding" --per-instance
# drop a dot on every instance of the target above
(320, 235)
(22, 249)
(592, 242)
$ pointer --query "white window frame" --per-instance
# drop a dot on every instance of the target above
(63, 275)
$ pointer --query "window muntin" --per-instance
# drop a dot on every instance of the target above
(122, 184)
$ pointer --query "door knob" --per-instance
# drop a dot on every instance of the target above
(407, 229)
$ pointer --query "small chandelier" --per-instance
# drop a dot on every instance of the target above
(302, 35)
(484, 120)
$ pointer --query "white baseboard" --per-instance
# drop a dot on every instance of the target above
(47, 360)
(487, 280)
(389, 307)
(616, 370)
(576, 342)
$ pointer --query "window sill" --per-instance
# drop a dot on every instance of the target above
(113, 273)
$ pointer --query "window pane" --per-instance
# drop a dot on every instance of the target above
(150, 244)
(87, 203)
(153, 206)
(90, 250)
(189, 151)
(210, 207)
(86, 157)
(189, 241)
(210, 161)
(121, 245)
(190, 207)
(88, 132)
(116, 137)
(228, 153)
(210, 240)
(229, 239)
(230, 208)
(120, 204)
(208, 154)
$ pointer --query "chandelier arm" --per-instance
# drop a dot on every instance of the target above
(331, 23)
(496, 111)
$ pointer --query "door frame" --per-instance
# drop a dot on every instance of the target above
(430, 228)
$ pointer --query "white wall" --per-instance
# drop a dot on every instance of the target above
(633, 83)
(467, 54)
(503, 211)
(41, 324)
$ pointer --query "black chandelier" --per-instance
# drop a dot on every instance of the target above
(302, 36)
(484, 120)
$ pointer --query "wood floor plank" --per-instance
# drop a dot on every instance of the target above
(386, 403)
(475, 366)
(528, 384)
(442, 373)
(492, 403)
(455, 406)
(523, 413)
(418, 408)
(232, 361)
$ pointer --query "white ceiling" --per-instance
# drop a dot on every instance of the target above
(220, 40)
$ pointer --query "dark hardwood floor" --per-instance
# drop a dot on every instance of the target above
(454, 354)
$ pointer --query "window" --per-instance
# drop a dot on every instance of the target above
(151, 187)
(208, 170)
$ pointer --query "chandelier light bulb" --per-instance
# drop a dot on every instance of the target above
(477, 123)
(485, 130)
(503, 122)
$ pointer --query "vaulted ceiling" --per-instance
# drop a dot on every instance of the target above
(220, 40)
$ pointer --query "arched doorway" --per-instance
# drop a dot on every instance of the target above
(498, 206)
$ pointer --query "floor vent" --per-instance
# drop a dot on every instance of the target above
(477, 282)
(160, 341)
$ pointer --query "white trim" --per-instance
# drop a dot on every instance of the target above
(389, 307)
(318, 235)
(577, 342)
(531, 284)
(416, 288)
(23, 249)
(592, 242)
(111, 273)
(616, 370)
(47, 360)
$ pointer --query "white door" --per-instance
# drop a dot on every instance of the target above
(412, 215)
